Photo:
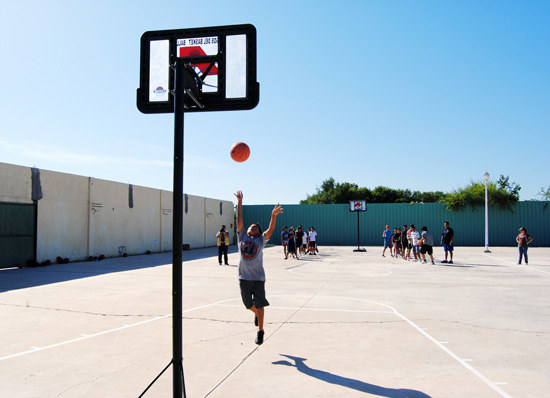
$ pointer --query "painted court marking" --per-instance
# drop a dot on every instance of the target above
(222, 303)
(518, 265)
(440, 344)
(374, 272)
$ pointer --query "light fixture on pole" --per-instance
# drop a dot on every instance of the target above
(486, 179)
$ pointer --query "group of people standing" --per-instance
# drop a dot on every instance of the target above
(402, 242)
(299, 242)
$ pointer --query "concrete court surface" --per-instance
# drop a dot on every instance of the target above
(340, 324)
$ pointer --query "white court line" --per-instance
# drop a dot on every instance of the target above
(309, 309)
(85, 337)
(393, 310)
(432, 339)
(319, 272)
(518, 265)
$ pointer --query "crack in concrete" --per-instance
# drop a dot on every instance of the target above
(80, 312)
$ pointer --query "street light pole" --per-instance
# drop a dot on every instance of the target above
(486, 179)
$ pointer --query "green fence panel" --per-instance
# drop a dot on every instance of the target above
(17, 233)
(336, 225)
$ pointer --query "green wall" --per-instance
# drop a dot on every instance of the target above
(336, 226)
(17, 233)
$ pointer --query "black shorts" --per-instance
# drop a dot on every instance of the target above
(253, 294)
(426, 249)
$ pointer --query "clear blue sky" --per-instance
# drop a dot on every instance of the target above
(419, 95)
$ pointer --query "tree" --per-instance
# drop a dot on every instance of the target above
(544, 193)
(332, 192)
(511, 188)
(500, 194)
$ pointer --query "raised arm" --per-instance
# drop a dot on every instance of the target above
(274, 213)
(239, 196)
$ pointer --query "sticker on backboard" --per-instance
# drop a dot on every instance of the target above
(200, 47)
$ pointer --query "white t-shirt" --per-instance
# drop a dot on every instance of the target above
(313, 236)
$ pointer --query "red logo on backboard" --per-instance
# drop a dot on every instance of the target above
(196, 51)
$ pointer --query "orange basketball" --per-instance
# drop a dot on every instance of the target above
(420, 242)
(239, 152)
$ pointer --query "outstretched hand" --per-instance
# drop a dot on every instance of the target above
(277, 210)
(239, 195)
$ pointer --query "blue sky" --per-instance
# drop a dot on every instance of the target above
(419, 95)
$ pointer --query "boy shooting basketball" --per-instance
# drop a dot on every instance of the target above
(251, 269)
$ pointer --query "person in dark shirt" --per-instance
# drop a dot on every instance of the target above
(447, 240)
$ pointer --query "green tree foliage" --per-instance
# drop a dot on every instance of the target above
(511, 187)
(544, 193)
(332, 192)
(501, 194)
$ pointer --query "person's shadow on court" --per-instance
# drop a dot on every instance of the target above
(350, 383)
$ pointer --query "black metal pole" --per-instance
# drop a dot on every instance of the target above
(358, 240)
(177, 233)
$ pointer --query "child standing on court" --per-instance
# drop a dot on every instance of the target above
(523, 240)
(387, 240)
(251, 243)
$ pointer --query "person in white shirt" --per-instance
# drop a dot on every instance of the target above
(414, 236)
(312, 242)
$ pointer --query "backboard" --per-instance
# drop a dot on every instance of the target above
(357, 205)
(220, 73)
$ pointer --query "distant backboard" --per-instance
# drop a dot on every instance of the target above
(357, 205)
(220, 73)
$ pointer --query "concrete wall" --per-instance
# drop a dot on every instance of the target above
(79, 217)
(62, 227)
(15, 184)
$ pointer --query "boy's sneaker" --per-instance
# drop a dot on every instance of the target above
(433, 263)
(424, 262)
(255, 320)
(450, 261)
(444, 261)
(260, 337)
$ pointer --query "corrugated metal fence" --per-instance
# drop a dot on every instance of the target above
(337, 226)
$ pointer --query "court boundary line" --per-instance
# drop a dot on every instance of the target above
(438, 343)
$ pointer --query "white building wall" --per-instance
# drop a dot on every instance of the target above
(79, 217)
(62, 225)
(15, 184)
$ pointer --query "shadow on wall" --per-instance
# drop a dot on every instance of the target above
(299, 364)
(14, 278)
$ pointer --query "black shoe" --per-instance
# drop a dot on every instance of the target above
(226, 264)
(451, 261)
(260, 337)
(444, 261)
(255, 320)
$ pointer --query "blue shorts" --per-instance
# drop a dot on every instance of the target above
(448, 248)
(387, 244)
(416, 249)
